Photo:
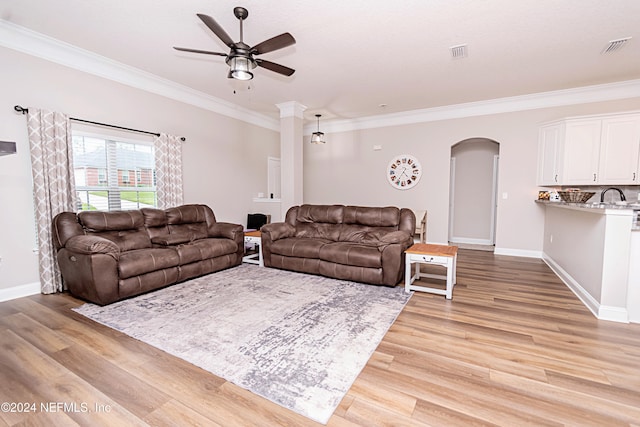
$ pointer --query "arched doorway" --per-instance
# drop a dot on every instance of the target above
(473, 193)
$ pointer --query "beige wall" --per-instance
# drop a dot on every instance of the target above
(348, 170)
(225, 160)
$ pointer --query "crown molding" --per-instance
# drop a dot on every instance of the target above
(580, 95)
(39, 45)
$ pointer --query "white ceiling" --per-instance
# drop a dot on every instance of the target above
(352, 56)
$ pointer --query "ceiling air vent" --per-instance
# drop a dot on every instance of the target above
(615, 45)
(459, 51)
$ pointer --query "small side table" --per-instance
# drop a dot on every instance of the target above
(254, 237)
(424, 253)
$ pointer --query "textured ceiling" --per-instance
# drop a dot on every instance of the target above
(352, 56)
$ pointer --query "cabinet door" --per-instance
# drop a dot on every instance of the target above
(619, 150)
(581, 152)
(549, 155)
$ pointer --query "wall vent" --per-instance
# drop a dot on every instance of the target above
(615, 45)
(459, 51)
(7, 148)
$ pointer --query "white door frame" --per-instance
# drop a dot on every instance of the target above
(494, 202)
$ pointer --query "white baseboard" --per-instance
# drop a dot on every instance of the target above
(602, 312)
(471, 241)
(19, 291)
(518, 252)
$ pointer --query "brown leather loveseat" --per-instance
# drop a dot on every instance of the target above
(362, 244)
(108, 256)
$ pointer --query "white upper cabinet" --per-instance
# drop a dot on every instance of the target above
(619, 150)
(550, 154)
(597, 150)
(581, 152)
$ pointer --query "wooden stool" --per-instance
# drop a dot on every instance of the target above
(423, 253)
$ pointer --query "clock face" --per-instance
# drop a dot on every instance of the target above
(404, 172)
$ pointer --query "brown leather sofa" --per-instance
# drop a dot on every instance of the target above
(362, 244)
(108, 256)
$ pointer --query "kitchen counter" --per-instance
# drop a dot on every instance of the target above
(591, 205)
(600, 208)
(589, 247)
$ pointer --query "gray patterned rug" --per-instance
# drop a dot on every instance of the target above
(296, 339)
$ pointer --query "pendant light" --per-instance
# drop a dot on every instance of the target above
(318, 137)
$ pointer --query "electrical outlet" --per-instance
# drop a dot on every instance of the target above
(551, 238)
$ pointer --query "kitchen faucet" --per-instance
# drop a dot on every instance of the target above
(622, 197)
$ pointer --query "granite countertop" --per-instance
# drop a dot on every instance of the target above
(591, 205)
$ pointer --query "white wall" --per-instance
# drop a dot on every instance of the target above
(347, 170)
(225, 160)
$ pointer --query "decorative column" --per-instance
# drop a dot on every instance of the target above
(291, 150)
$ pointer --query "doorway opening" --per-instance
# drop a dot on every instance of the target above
(473, 193)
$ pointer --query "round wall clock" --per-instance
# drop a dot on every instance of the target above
(404, 171)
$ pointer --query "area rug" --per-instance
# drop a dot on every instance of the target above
(298, 340)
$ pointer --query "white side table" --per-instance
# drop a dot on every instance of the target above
(254, 237)
(423, 253)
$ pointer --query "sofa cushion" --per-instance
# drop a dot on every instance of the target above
(96, 221)
(140, 261)
(124, 228)
(171, 239)
(298, 247)
(374, 217)
(330, 214)
(318, 231)
(351, 254)
(202, 249)
(154, 217)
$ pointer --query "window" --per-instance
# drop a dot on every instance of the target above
(113, 175)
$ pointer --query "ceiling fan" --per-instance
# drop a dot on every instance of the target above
(241, 56)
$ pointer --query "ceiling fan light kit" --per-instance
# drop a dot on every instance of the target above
(241, 56)
(240, 67)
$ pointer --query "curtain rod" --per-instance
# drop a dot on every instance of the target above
(22, 110)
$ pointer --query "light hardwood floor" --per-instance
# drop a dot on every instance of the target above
(513, 348)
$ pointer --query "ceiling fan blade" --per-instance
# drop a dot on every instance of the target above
(272, 66)
(217, 29)
(274, 43)
(206, 52)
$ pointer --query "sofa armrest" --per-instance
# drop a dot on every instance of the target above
(278, 230)
(89, 245)
(228, 230)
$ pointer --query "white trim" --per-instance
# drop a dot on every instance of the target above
(579, 95)
(452, 191)
(291, 109)
(36, 44)
(494, 197)
(470, 241)
(517, 252)
(19, 291)
(602, 312)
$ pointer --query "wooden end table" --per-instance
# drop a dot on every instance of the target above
(424, 253)
(254, 237)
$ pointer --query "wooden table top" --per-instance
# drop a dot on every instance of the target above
(429, 249)
(255, 233)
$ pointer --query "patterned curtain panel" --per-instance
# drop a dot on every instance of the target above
(53, 185)
(168, 170)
